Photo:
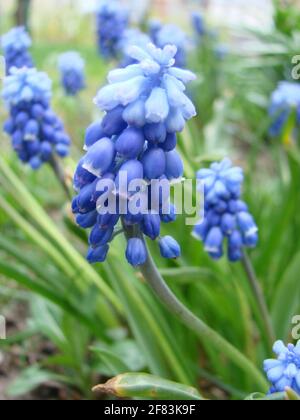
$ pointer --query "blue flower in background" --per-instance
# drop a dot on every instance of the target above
(112, 21)
(284, 371)
(72, 69)
(145, 105)
(198, 24)
(154, 26)
(26, 85)
(15, 45)
(226, 216)
(36, 132)
(284, 100)
(172, 34)
(132, 37)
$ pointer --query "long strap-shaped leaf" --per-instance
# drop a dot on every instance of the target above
(13, 273)
(141, 385)
(29, 204)
(48, 247)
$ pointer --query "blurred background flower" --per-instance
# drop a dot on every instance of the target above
(72, 70)
(15, 45)
(226, 216)
(36, 132)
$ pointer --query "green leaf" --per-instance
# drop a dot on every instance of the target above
(186, 275)
(286, 303)
(24, 279)
(112, 364)
(123, 356)
(140, 385)
(61, 249)
(262, 397)
(30, 379)
(131, 354)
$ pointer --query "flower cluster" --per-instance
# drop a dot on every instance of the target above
(285, 371)
(285, 99)
(15, 45)
(226, 216)
(112, 21)
(145, 107)
(72, 70)
(171, 34)
(35, 130)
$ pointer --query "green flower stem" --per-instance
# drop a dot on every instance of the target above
(203, 331)
(133, 297)
(60, 175)
(259, 297)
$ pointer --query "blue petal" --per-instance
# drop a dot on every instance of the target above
(157, 106)
(122, 75)
(175, 121)
(174, 165)
(154, 162)
(99, 157)
(136, 252)
(169, 248)
(135, 113)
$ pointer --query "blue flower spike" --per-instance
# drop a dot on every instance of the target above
(15, 45)
(72, 72)
(198, 24)
(145, 106)
(227, 218)
(112, 22)
(284, 371)
(132, 37)
(36, 132)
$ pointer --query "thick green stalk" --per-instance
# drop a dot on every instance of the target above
(203, 331)
(129, 293)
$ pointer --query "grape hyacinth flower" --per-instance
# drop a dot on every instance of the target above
(15, 45)
(72, 68)
(198, 24)
(154, 26)
(132, 37)
(172, 34)
(284, 371)
(226, 216)
(284, 100)
(36, 132)
(112, 21)
(145, 106)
